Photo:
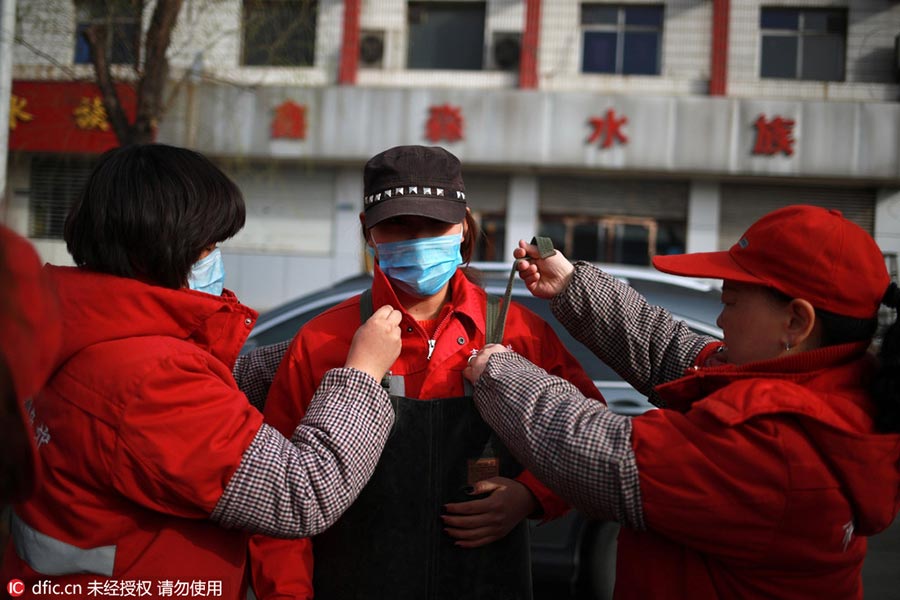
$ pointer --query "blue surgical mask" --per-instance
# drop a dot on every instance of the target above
(420, 267)
(208, 274)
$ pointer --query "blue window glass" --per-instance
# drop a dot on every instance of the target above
(599, 14)
(599, 52)
(641, 53)
(82, 51)
(649, 16)
(623, 39)
(779, 18)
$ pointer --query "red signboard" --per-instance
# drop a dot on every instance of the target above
(445, 122)
(63, 117)
(289, 121)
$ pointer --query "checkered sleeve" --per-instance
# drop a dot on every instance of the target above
(300, 487)
(255, 370)
(640, 341)
(575, 445)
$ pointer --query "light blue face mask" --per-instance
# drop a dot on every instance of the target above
(421, 267)
(208, 274)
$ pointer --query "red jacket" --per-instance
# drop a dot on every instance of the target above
(765, 486)
(139, 431)
(29, 339)
(323, 344)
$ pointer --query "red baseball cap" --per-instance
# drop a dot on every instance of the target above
(803, 251)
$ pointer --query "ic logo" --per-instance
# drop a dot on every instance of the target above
(15, 587)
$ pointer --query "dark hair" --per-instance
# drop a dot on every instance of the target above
(885, 386)
(148, 211)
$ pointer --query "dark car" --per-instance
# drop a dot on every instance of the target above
(571, 554)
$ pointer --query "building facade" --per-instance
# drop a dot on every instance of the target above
(620, 129)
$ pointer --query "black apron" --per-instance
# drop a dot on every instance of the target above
(391, 542)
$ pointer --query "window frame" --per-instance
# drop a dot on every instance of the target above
(447, 4)
(112, 21)
(621, 28)
(801, 34)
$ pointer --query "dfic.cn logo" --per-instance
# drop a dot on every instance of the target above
(15, 587)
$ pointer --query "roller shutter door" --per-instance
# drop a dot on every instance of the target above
(744, 204)
(598, 197)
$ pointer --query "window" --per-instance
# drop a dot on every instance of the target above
(803, 43)
(446, 35)
(621, 39)
(119, 21)
(624, 240)
(55, 183)
(279, 32)
(489, 246)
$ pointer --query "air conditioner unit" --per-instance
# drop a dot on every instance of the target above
(371, 49)
(505, 50)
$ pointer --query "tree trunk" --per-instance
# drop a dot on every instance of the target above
(151, 78)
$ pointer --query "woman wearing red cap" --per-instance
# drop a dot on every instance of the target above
(776, 453)
(155, 468)
(443, 516)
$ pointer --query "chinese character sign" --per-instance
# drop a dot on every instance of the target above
(91, 114)
(289, 121)
(17, 111)
(608, 129)
(63, 116)
(444, 123)
(774, 136)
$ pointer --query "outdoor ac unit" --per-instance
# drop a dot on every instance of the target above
(371, 49)
(505, 50)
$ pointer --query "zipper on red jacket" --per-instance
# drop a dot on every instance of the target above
(433, 341)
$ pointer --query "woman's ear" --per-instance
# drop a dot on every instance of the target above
(801, 325)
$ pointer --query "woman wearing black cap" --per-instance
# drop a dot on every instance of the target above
(777, 452)
(444, 515)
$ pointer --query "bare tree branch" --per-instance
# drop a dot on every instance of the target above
(95, 35)
(156, 68)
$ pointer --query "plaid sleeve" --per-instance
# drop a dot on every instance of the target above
(575, 445)
(300, 487)
(640, 341)
(255, 370)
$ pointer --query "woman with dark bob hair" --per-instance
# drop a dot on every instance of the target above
(155, 466)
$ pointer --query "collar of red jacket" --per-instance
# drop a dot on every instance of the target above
(466, 297)
(97, 307)
(701, 381)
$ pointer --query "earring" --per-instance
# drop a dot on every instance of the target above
(787, 347)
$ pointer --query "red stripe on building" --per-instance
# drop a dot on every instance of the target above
(718, 79)
(528, 78)
(350, 45)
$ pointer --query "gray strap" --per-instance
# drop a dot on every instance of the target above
(365, 306)
(545, 250)
(492, 311)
